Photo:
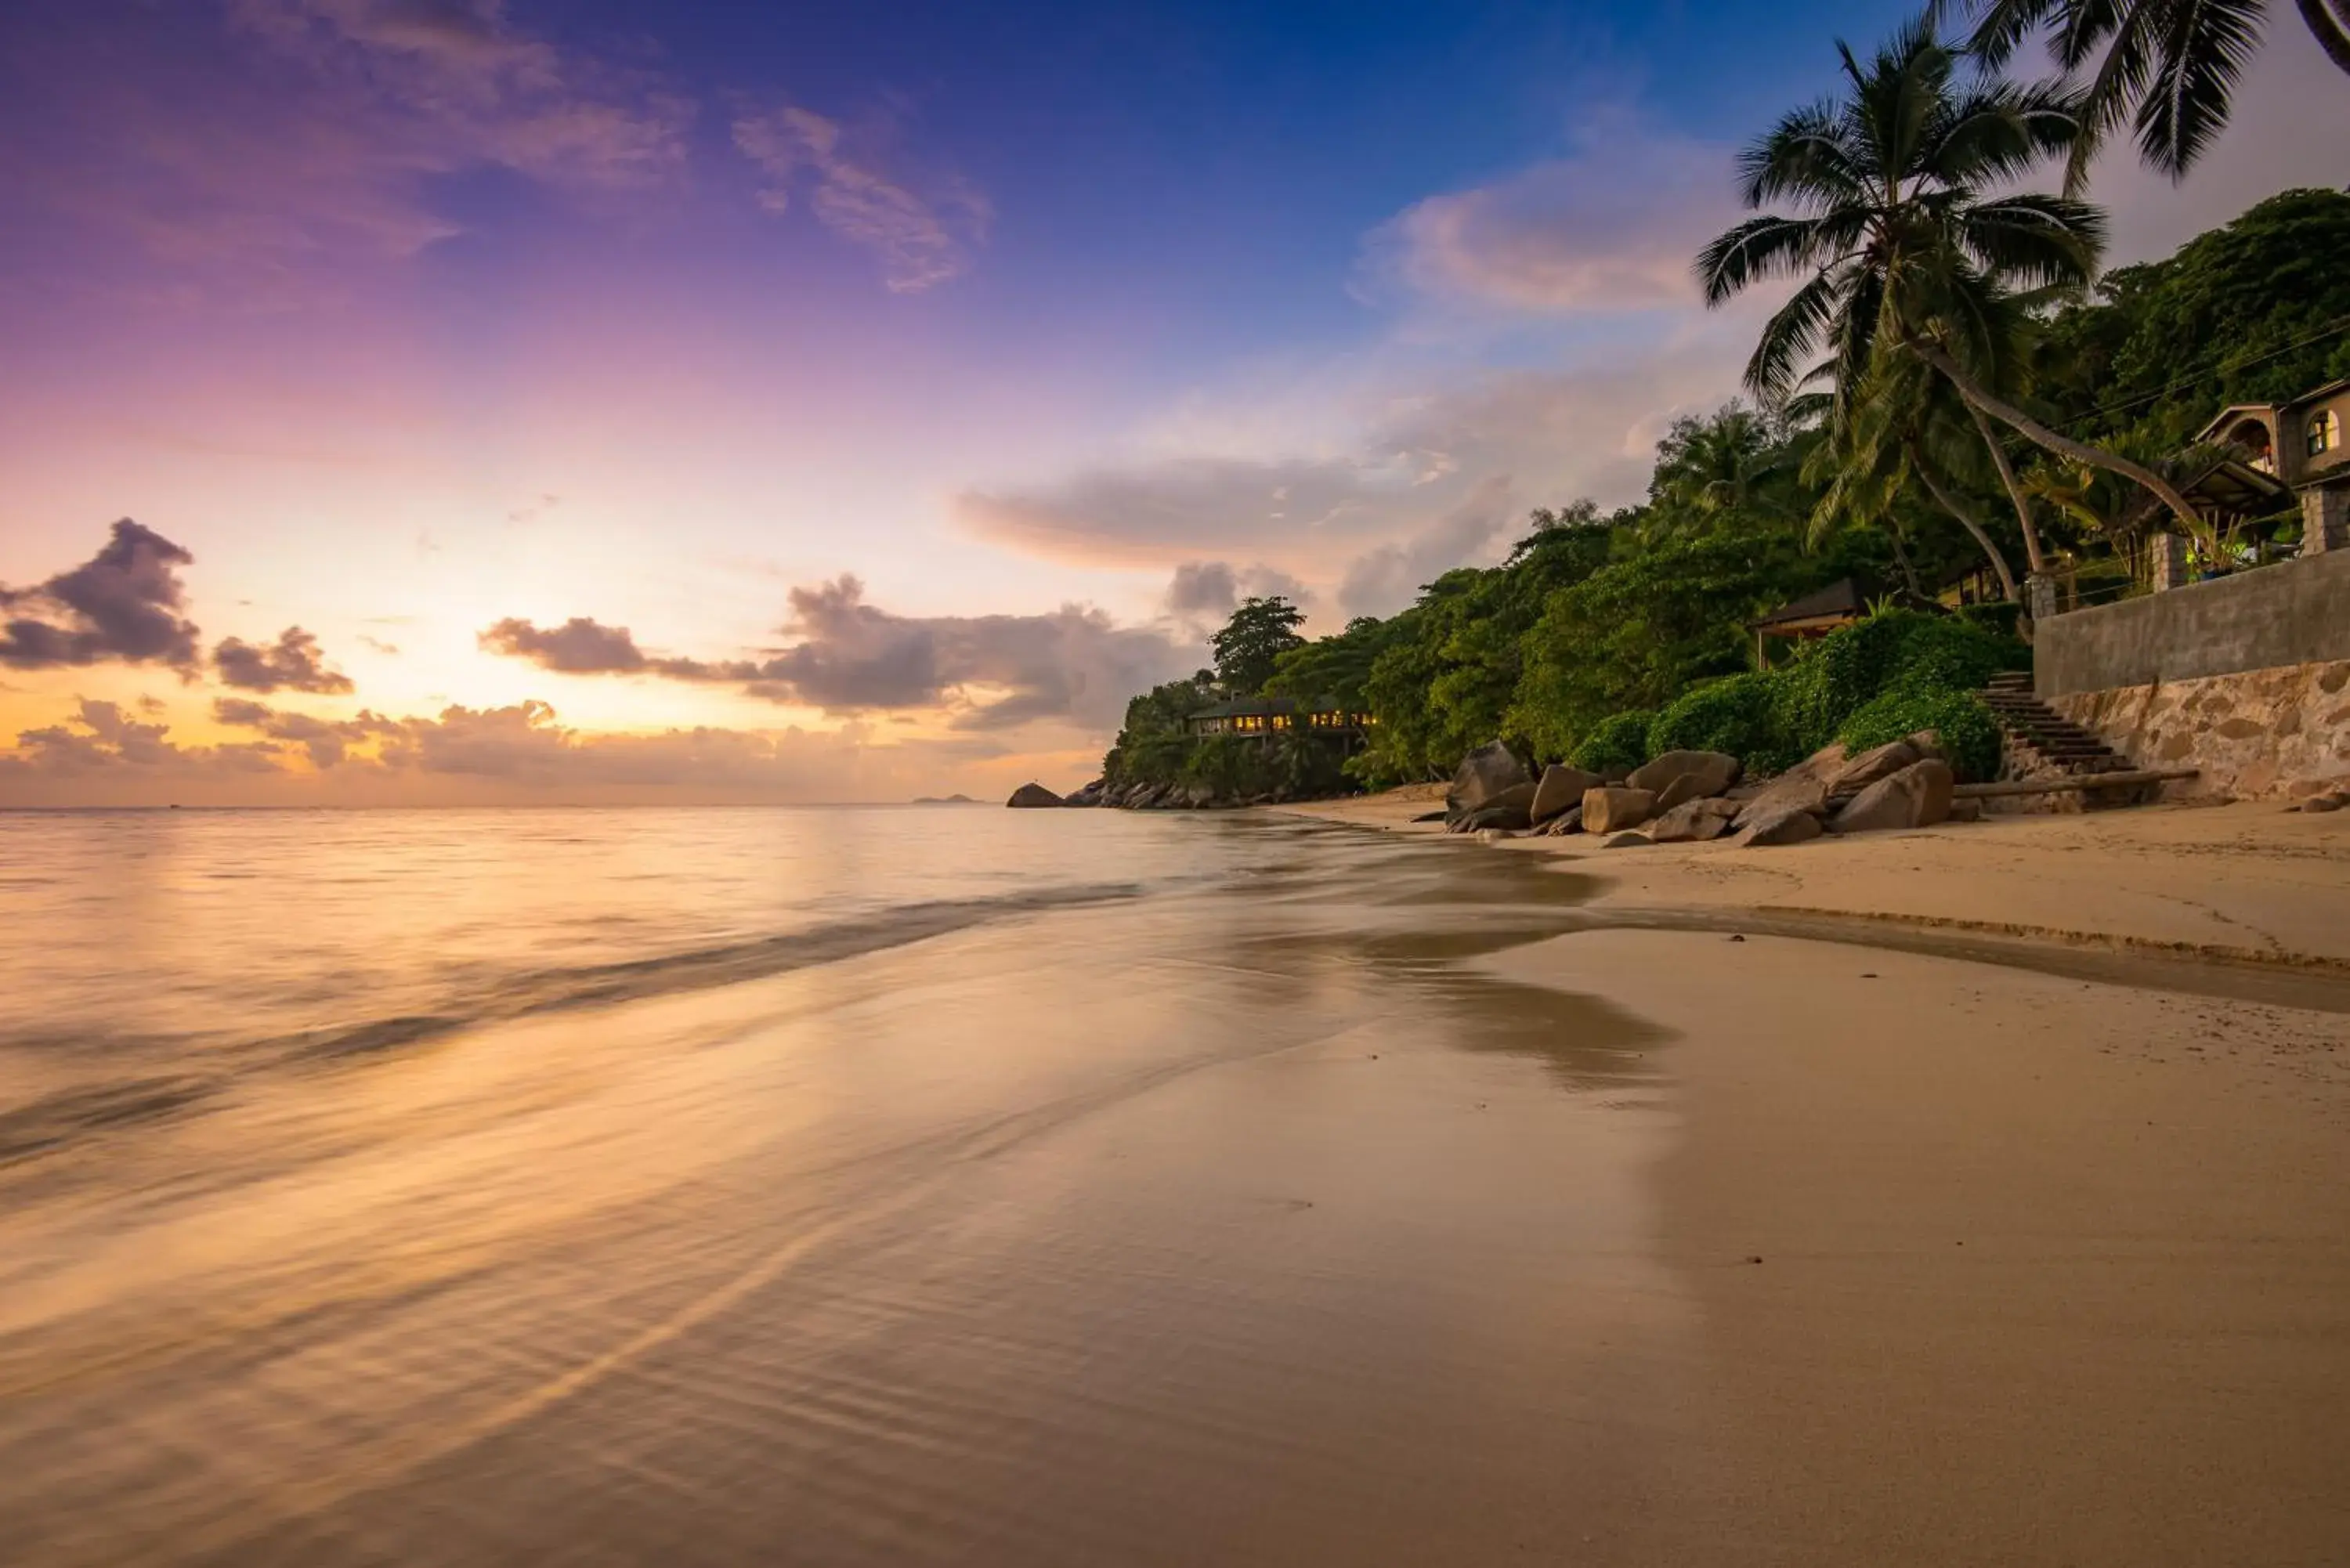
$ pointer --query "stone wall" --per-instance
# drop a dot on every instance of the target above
(2258, 734)
(2294, 614)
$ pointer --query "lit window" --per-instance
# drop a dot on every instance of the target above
(2325, 432)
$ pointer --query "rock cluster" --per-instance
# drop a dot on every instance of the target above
(1695, 797)
(1140, 797)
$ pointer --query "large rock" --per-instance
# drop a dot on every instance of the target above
(1565, 822)
(1511, 808)
(1779, 824)
(1785, 793)
(1484, 775)
(1685, 788)
(1093, 793)
(1507, 814)
(1803, 786)
(1917, 796)
(1714, 770)
(1692, 822)
(1029, 796)
(1929, 743)
(1870, 767)
(1562, 789)
(1610, 809)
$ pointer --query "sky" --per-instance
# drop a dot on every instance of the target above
(499, 401)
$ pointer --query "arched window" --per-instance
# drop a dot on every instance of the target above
(2324, 431)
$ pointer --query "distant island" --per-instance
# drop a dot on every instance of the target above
(945, 800)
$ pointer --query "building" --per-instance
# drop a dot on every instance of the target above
(2300, 445)
(1274, 715)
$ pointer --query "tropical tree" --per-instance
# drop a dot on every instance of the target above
(2169, 67)
(1730, 462)
(1907, 254)
(1251, 643)
(1919, 430)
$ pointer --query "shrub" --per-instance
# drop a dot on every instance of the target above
(1618, 742)
(1998, 619)
(1740, 714)
(1968, 734)
(1892, 651)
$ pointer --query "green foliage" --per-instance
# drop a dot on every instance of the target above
(1890, 651)
(1597, 628)
(1619, 742)
(1153, 744)
(2237, 315)
(1443, 682)
(1740, 714)
(1332, 673)
(2000, 619)
(1251, 645)
(1639, 631)
(1968, 734)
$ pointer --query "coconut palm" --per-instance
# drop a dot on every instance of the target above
(2168, 67)
(1907, 255)
(1730, 462)
(1918, 430)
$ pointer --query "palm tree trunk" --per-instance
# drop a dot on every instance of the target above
(1948, 503)
(2032, 429)
(2035, 563)
(1901, 560)
(2331, 28)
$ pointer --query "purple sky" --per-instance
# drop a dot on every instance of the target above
(613, 401)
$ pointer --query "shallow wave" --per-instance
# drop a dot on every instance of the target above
(53, 1121)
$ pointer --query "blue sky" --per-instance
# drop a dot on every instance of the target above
(966, 360)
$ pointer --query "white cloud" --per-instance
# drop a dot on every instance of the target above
(1610, 226)
(924, 228)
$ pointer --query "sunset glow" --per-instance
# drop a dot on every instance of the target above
(888, 397)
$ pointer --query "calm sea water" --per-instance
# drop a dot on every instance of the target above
(890, 1186)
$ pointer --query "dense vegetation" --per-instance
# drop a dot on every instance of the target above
(1979, 403)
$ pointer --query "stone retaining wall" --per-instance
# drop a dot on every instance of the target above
(2291, 613)
(2278, 734)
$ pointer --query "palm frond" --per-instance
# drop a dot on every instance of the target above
(1998, 132)
(2036, 241)
(1789, 336)
(1755, 250)
(1807, 157)
(2201, 53)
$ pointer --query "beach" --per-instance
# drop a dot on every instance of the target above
(2000, 1264)
(1219, 1187)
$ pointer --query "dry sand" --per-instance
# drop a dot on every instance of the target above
(1993, 1265)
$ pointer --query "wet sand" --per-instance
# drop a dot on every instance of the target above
(1371, 1210)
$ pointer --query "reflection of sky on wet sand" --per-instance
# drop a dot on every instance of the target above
(1228, 1222)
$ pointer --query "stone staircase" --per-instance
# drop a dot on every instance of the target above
(2039, 739)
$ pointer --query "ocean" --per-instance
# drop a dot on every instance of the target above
(936, 1185)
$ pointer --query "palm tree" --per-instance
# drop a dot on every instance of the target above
(1907, 256)
(1732, 463)
(2168, 66)
(1918, 430)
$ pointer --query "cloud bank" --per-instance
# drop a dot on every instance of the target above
(124, 605)
(851, 658)
(519, 753)
(291, 664)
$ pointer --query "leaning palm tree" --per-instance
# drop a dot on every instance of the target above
(1918, 430)
(2169, 67)
(1905, 253)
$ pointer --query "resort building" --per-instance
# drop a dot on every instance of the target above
(1272, 715)
(2298, 446)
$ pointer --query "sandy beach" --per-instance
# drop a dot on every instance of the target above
(1309, 1196)
(1993, 1263)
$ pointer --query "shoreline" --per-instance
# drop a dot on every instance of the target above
(2035, 1253)
(2246, 883)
